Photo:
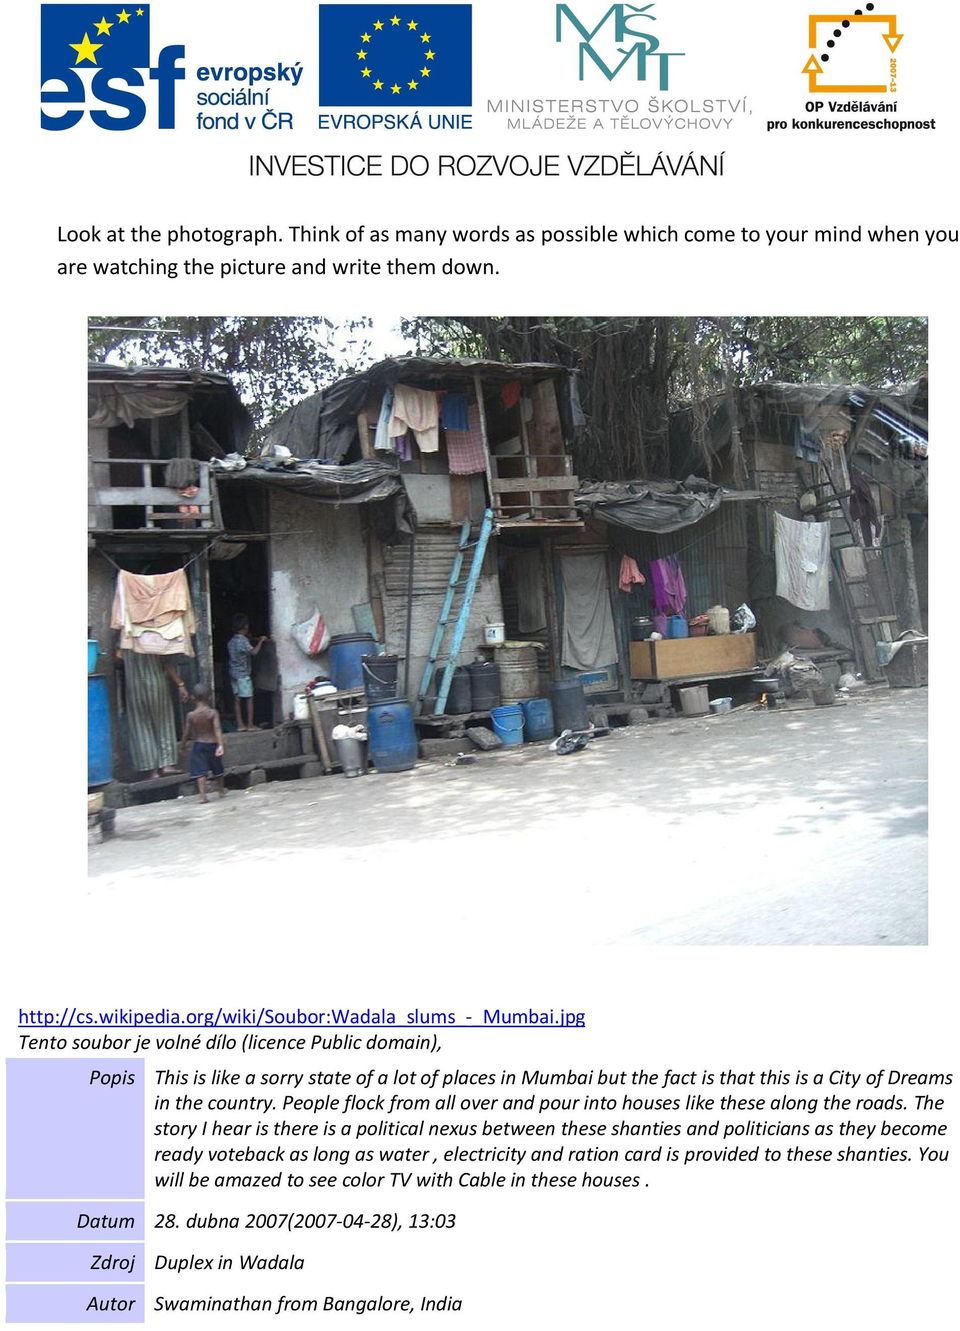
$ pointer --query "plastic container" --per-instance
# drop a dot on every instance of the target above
(519, 673)
(719, 617)
(677, 627)
(569, 704)
(93, 655)
(494, 634)
(641, 626)
(380, 674)
(508, 724)
(695, 701)
(99, 746)
(718, 705)
(301, 707)
(393, 739)
(484, 686)
(347, 651)
(459, 697)
(537, 719)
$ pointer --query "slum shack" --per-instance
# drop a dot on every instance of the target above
(836, 541)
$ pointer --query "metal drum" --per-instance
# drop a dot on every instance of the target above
(519, 674)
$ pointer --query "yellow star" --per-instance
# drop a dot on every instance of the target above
(361, 55)
(365, 37)
(395, 87)
(411, 26)
(85, 49)
(425, 72)
(123, 16)
(425, 36)
(395, 22)
(366, 72)
(103, 28)
(139, 13)
(428, 55)
(412, 83)
(378, 84)
(378, 26)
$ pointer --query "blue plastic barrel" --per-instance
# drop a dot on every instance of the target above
(677, 627)
(393, 739)
(99, 747)
(537, 718)
(347, 651)
(508, 724)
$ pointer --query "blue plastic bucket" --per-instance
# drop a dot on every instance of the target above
(677, 627)
(347, 651)
(99, 748)
(537, 719)
(508, 724)
(393, 738)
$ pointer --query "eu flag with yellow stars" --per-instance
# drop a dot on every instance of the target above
(403, 56)
(111, 37)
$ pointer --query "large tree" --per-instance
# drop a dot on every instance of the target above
(634, 371)
(273, 362)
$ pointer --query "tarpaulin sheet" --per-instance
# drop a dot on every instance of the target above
(655, 506)
(377, 483)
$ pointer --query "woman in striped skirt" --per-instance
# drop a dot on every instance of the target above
(151, 725)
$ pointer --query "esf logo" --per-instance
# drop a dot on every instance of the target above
(92, 58)
(615, 28)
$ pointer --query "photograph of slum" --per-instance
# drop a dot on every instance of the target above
(693, 548)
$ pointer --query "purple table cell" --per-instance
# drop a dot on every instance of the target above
(75, 1127)
(97, 1221)
(75, 1303)
(62, 1262)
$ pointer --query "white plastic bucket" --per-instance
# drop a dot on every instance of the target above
(301, 711)
(493, 634)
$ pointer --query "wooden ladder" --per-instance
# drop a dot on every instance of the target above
(861, 571)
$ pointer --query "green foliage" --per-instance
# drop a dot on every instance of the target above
(273, 362)
(634, 371)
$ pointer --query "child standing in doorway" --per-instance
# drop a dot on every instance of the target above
(240, 654)
(202, 728)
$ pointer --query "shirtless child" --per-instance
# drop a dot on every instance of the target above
(203, 729)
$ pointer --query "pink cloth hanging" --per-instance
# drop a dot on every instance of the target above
(630, 574)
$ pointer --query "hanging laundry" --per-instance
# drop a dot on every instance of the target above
(466, 454)
(154, 613)
(630, 575)
(802, 551)
(669, 591)
(382, 441)
(416, 409)
(589, 638)
(403, 447)
(454, 414)
(806, 446)
(510, 394)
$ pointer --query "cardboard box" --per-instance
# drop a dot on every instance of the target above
(693, 658)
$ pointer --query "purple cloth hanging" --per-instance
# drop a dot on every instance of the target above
(668, 589)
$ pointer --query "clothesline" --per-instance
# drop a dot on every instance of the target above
(191, 560)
